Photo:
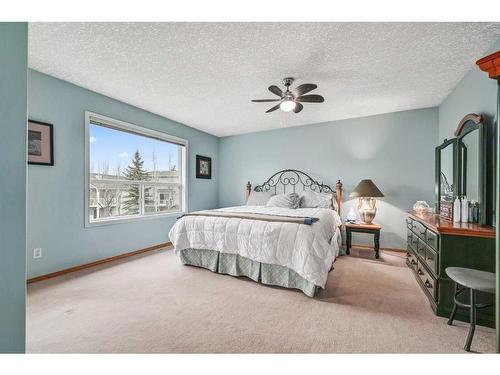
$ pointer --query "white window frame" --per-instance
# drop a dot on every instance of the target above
(142, 131)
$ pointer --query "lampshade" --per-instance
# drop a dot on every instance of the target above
(366, 189)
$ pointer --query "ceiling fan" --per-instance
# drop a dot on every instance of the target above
(291, 100)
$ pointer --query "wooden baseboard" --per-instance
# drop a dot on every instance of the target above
(97, 263)
(382, 248)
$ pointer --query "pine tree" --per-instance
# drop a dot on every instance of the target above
(135, 172)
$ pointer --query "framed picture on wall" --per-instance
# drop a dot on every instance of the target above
(40, 143)
(203, 167)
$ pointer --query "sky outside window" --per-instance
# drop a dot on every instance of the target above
(116, 148)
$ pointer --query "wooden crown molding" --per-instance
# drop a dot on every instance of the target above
(491, 65)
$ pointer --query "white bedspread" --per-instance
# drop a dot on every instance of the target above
(309, 250)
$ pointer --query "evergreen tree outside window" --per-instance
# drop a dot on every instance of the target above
(135, 172)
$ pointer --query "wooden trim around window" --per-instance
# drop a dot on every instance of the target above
(98, 262)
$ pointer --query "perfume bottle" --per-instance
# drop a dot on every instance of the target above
(456, 210)
(464, 210)
(475, 212)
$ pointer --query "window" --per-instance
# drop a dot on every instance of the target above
(132, 172)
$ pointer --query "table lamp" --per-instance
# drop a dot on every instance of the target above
(366, 191)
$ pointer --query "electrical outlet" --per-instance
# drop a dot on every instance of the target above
(37, 253)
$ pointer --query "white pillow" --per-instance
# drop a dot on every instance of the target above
(314, 199)
(259, 198)
(290, 200)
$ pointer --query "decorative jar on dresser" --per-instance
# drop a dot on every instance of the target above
(434, 244)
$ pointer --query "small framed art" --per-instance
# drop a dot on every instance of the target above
(40, 143)
(203, 167)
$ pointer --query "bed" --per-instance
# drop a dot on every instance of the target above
(289, 247)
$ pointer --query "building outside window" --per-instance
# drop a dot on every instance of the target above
(132, 172)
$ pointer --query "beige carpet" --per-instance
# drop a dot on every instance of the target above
(154, 304)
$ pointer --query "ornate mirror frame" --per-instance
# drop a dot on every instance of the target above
(470, 123)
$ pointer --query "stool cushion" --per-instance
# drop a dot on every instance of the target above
(473, 279)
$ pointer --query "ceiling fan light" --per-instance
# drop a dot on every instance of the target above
(287, 105)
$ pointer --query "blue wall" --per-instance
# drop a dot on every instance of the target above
(396, 150)
(476, 93)
(13, 75)
(56, 194)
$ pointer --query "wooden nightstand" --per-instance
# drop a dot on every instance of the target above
(363, 228)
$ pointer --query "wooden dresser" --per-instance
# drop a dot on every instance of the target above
(434, 244)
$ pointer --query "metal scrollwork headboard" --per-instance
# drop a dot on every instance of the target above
(292, 180)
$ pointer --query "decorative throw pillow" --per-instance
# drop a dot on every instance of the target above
(290, 200)
(313, 199)
(259, 198)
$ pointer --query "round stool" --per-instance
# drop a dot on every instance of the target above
(475, 280)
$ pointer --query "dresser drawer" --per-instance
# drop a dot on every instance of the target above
(412, 240)
(421, 248)
(411, 259)
(419, 229)
(409, 223)
(428, 281)
(432, 239)
(431, 259)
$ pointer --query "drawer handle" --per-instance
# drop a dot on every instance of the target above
(422, 233)
(413, 261)
(419, 271)
(428, 284)
(430, 259)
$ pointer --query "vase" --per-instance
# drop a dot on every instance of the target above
(421, 207)
(367, 209)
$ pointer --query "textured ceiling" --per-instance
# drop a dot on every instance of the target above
(205, 74)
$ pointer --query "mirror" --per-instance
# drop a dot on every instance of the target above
(447, 176)
(465, 167)
(472, 167)
(469, 155)
(445, 172)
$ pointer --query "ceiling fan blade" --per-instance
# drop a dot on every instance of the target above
(298, 107)
(304, 88)
(273, 109)
(276, 90)
(265, 100)
(310, 99)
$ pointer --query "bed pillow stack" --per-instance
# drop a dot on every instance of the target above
(313, 199)
(259, 198)
(290, 200)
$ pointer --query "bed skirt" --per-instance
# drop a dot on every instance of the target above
(236, 265)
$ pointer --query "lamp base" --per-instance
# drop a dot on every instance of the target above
(367, 210)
